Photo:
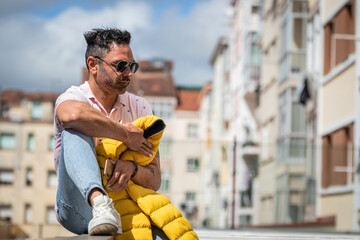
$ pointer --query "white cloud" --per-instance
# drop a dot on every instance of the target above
(48, 54)
(189, 41)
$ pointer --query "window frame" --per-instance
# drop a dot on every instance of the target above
(192, 164)
(5, 171)
(51, 175)
(31, 142)
(4, 134)
(193, 130)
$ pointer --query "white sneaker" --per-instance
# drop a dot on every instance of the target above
(106, 220)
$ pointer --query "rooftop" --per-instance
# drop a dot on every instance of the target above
(153, 79)
(188, 99)
(14, 97)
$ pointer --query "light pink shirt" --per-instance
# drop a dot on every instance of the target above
(127, 108)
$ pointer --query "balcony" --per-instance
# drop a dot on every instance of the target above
(190, 208)
(293, 38)
(250, 153)
(246, 198)
(250, 149)
(292, 65)
(252, 73)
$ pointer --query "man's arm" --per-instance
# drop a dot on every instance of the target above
(147, 177)
(150, 175)
(82, 117)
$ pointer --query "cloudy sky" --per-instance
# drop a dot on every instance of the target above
(42, 44)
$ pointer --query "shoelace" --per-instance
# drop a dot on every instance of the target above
(104, 208)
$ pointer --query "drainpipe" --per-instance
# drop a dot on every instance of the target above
(356, 212)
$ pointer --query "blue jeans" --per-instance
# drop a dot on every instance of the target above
(79, 173)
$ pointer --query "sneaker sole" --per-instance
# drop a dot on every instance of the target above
(104, 230)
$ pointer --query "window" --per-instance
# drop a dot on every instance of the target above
(255, 9)
(52, 179)
(298, 112)
(29, 176)
(297, 148)
(162, 109)
(193, 164)
(282, 150)
(28, 214)
(165, 148)
(245, 220)
(190, 196)
(297, 185)
(5, 212)
(50, 215)
(189, 206)
(6, 176)
(299, 6)
(339, 37)
(31, 143)
(337, 157)
(298, 117)
(293, 39)
(165, 181)
(51, 143)
(255, 50)
(7, 141)
(192, 130)
(291, 128)
(314, 45)
(36, 111)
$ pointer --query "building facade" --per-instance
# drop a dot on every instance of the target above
(308, 97)
(244, 82)
(27, 176)
(306, 113)
(291, 134)
(216, 178)
(180, 147)
(337, 132)
(280, 183)
(266, 113)
(187, 158)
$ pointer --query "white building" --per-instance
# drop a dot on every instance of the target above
(180, 147)
(216, 169)
(187, 155)
(244, 82)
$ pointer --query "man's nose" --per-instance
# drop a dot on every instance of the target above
(127, 71)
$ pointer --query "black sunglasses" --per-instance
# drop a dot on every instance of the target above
(122, 65)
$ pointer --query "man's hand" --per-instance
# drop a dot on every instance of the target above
(121, 175)
(135, 140)
(147, 176)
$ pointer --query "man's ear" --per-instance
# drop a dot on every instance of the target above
(93, 65)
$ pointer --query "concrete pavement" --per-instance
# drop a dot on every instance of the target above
(205, 234)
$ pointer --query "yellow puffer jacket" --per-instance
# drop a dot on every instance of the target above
(140, 207)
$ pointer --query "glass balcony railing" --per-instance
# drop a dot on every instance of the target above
(292, 63)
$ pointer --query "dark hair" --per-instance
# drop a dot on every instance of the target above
(100, 40)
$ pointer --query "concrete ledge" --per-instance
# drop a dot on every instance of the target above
(83, 237)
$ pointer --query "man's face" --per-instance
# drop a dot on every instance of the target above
(108, 78)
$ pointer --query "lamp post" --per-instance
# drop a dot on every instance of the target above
(233, 187)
